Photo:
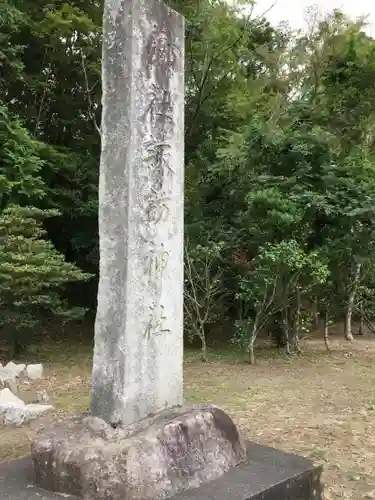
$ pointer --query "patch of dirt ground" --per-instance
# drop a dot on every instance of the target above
(321, 405)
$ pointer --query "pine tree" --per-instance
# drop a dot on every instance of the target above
(32, 274)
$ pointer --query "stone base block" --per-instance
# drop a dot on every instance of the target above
(267, 474)
(159, 457)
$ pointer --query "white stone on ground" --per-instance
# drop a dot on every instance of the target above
(8, 398)
(34, 410)
(14, 369)
(11, 415)
(33, 372)
(13, 410)
(9, 375)
(8, 380)
(9, 383)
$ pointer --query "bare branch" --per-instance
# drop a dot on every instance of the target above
(189, 273)
(40, 109)
(267, 10)
(88, 92)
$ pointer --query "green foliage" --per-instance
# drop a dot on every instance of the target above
(32, 273)
(20, 164)
(12, 21)
(278, 279)
(292, 194)
(56, 92)
(280, 164)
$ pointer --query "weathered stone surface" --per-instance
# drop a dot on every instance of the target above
(11, 367)
(11, 408)
(7, 397)
(137, 367)
(267, 474)
(155, 458)
(42, 396)
(8, 381)
(33, 372)
(11, 415)
(12, 385)
(35, 410)
(14, 369)
(9, 375)
(13, 411)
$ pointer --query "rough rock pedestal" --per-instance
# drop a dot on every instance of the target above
(156, 458)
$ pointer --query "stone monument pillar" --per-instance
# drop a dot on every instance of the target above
(138, 353)
(138, 443)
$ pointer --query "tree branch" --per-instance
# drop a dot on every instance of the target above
(88, 92)
(221, 51)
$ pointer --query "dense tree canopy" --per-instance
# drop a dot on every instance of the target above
(280, 168)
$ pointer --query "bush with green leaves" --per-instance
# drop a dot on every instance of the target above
(20, 163)
(32, 274)
(278, 279)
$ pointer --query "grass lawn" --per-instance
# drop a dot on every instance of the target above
(320, 405)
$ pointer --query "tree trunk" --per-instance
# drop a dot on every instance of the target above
(250, 346)
(251, 355)
(326, 332)
(286, 331)
(297, 329)
(316, 312)
(351, 299)
(361, 330)
(204, 355)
